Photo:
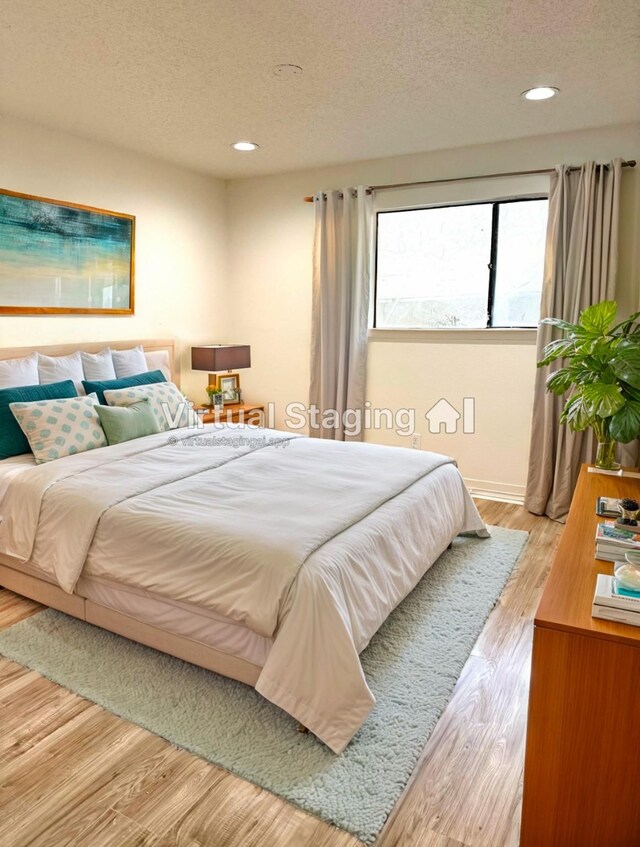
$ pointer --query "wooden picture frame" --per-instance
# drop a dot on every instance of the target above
(225, 378)
(59, 258)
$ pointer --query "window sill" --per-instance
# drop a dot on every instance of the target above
(455, 336)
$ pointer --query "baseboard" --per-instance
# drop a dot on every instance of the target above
(504, 492)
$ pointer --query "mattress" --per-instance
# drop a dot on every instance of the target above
(184, 619)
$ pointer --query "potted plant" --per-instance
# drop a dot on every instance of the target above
(602, 372)
(216, 399)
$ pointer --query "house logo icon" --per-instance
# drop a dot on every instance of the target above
(444, 414)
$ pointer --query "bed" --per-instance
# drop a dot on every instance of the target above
(266, 556)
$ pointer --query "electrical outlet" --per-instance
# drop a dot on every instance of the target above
(416, 438)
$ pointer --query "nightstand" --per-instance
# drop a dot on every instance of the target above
(245, 413)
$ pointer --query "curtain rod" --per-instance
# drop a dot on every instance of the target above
(631, 163)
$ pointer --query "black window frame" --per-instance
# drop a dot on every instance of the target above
(492, 264)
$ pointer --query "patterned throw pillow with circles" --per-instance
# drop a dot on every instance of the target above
(58, 428)
(167, 402)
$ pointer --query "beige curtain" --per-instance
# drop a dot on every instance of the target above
(580, 270)
(340, 311)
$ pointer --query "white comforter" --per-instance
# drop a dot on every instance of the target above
(289, 536)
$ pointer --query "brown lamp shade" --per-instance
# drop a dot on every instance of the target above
(223, 357)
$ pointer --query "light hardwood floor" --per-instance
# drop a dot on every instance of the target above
(74, 774)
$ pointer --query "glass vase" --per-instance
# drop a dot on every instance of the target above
(606, 455)
(216, 402)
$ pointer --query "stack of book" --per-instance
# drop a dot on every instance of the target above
(612, 542)
(614, 603)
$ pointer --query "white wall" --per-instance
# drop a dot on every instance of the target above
(232, 263)
(181, 249)
(270, 277)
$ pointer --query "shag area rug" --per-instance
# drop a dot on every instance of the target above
(412, 666)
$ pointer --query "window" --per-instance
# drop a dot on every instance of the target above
(477, 265)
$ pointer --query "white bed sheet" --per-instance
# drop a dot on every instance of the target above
(12, 468)
(184, 619)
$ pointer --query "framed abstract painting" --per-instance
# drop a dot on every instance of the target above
(63, 258)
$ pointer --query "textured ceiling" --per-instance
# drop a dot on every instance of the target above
(182, 79)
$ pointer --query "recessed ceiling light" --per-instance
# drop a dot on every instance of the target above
(245, 146)
(540, 92)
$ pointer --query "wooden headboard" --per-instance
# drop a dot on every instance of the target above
(149, 345)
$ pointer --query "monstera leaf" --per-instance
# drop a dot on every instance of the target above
(560, 381)
(598, 318)
(565, 326)
(577, 414)
(556, 349)
(604, 400)
(626, 326)
(626, 363)
(625, 424)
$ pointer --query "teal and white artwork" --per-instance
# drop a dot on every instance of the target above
(63, 258)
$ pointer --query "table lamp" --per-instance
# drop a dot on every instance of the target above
(220, 357)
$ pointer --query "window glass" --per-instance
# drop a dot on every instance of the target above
(434, 266)
(519, 263)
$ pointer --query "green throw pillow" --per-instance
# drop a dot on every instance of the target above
(123, 423)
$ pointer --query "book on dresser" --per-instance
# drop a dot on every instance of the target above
(608, 507)
(612, 542)
(612, 602)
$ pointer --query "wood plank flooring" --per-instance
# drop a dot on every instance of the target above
(74, 774)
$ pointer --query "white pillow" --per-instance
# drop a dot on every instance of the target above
(15, 373)
(158, 360)
(168, 403)
(60, 368)
(58, 428)
(129, 362)
(98, 367)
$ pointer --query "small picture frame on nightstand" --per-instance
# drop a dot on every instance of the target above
(229, 384)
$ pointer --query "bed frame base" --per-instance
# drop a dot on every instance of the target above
(175, 645)
(41, 591)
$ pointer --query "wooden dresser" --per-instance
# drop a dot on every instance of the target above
(582, 764)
